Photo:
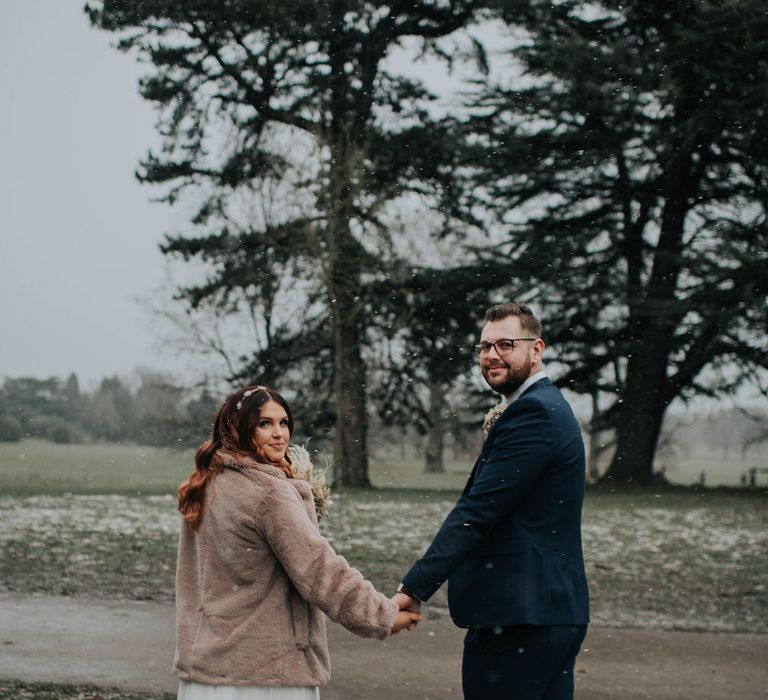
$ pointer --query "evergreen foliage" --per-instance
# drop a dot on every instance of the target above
(294, 105)
(628, 162)
(624, 157)
(430, 323)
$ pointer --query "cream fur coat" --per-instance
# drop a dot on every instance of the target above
(253, 582)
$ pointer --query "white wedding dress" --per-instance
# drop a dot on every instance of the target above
(201, 691)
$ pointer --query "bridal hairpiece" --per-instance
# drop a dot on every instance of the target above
(246, 394)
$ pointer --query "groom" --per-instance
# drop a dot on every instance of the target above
(511, 547)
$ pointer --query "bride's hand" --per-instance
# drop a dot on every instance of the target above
(405, 621)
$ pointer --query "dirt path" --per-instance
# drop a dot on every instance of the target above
(130, 645)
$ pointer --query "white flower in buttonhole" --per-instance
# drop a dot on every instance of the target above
(493, 415)
(301, 468)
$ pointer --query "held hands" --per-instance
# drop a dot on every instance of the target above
(409, 615)
(405, 621)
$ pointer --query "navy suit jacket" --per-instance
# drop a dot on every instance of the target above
(511, 547)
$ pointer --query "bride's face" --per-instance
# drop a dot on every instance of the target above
(271, 436)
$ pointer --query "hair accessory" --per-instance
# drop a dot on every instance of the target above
(246, 394)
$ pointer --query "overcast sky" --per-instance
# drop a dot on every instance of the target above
(78, 233)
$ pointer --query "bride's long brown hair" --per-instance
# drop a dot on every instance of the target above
(233, 431)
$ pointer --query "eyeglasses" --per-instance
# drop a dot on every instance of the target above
(503, 346)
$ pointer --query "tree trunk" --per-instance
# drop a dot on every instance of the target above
(595, 450)
(343, 271)
(639, 422)
(593, 458)
(433, 462)
(351, 440)
(654, 318)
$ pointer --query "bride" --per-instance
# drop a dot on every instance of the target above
(254, 575)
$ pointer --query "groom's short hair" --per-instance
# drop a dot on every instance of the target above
(528, 321)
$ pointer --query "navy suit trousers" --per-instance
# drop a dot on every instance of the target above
(521, 662)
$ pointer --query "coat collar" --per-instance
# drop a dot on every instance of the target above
(538, 384)
(527, 384)
(246, 465)
(252, 468)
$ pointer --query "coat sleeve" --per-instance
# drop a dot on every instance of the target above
(321, 576)
(523, 447)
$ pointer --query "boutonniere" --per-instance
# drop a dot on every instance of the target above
(301, 468)
(493, 415)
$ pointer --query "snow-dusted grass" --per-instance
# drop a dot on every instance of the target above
(672, 558)
(679, 559)
(112, 545)
(25, 690)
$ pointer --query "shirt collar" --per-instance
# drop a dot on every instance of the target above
(517, 393)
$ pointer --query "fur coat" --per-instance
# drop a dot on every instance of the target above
(253, 582)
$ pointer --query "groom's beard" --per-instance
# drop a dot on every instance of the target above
(507, 382)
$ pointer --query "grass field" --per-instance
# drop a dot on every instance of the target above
(673, 558)
(716, 469)
(40, 467)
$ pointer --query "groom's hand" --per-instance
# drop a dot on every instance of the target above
(406, 602)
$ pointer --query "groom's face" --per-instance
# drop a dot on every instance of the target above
(505, 373)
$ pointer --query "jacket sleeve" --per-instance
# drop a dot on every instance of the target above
(321, 576)
(523, 447)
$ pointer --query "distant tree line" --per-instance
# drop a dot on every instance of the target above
(151, 408)
(157, 411)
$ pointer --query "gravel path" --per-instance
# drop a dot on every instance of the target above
(130, 645)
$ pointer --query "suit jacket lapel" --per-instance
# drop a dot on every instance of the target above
(483, 452)
(544, 381)
(471, 478)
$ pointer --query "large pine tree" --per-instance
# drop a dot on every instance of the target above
(296, 98)
(627, 156)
